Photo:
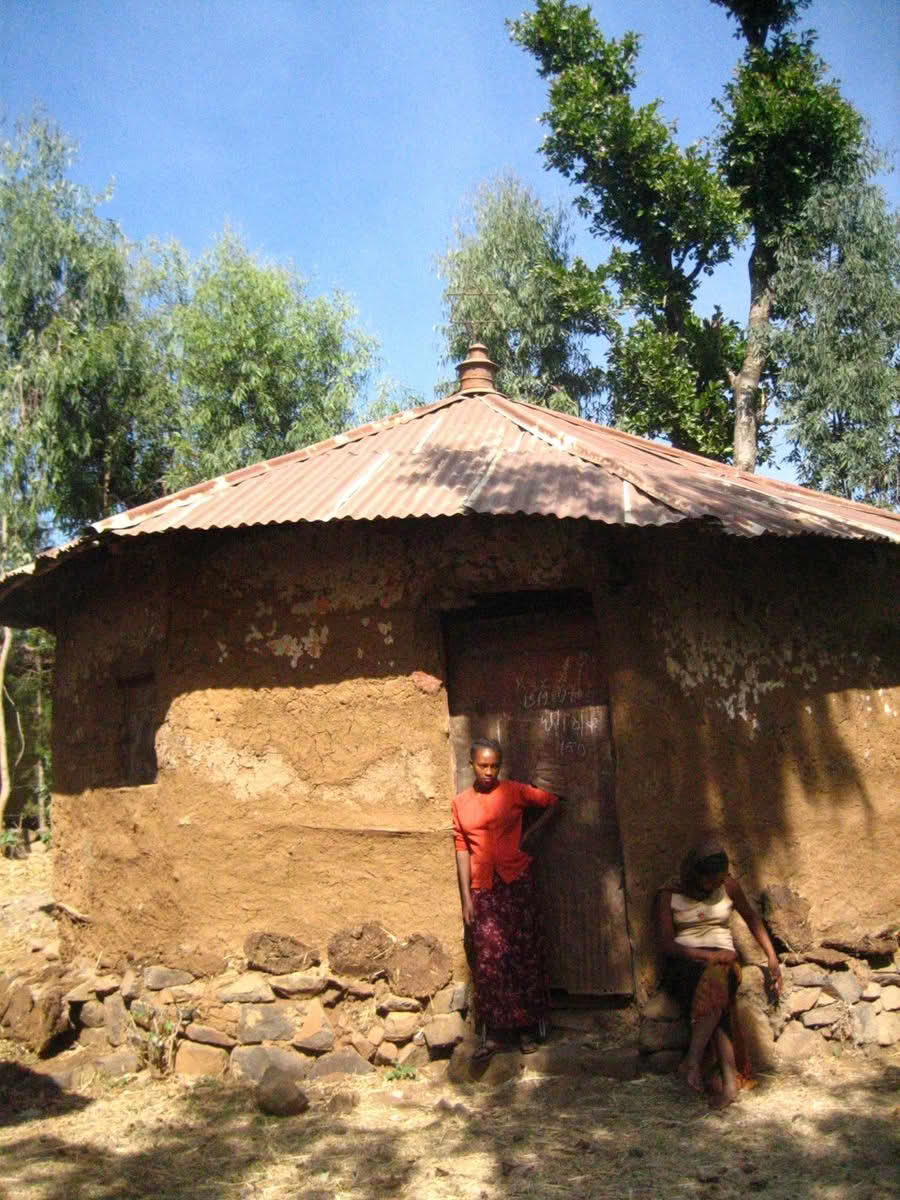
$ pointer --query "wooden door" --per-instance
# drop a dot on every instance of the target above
(535, 681)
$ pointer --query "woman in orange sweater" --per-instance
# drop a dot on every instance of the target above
(497, 895)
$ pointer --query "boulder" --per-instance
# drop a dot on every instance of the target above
(890, 997)
(115, 1016)
(400, 1027)
(419, 966)
(449, 999)
(802, 999)
(444, 1032)
(390, 1003)
(91, 1015)
(35, 1015)
(158, 977)
(132, 985)
(278, 1095)
(360, 952)
(858, 943)
(806, 975)
(248, 989)
(315, 1034)
(412, 1055)
(845, 986)
(787, 915)
(299, 984)
(887, 1028)
(279, 953)
(797, 1044)
(363, 1047)
(342, 1062)
(191, 1058)
(386, 1055)
(264, 1023)
(825, 957)
(819, 1017)
(250, 1062)
(208, 1036)
(105, 985)
(124, 1061)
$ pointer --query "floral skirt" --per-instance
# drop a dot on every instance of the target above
(507, 956)
(701, 988)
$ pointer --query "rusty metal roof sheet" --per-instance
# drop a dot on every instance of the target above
(485, 453)
(478, 451)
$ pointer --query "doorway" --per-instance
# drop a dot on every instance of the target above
(528, 669)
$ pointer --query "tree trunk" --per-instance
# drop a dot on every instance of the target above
(749, 404)
(5, 778)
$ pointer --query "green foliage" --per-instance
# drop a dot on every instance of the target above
(85, 411)
(674, 213)
(500, 277)
(784, 132)
(259, 367)
(758, 18)
(671, 217)
(668, 384)
(836, 346)
(402, 1072)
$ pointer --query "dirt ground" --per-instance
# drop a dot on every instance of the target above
(827, 1131)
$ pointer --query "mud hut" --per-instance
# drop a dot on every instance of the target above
(266, 685)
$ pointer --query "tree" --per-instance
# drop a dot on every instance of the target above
(496, 273)
(87, 410)
(259, 367)
(785, 132)
(671, 218)
(674, 214)
(836, 345)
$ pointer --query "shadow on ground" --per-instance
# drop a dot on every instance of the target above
(582, 1138)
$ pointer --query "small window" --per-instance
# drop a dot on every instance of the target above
(137, 747)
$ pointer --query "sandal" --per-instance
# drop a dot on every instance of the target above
(527, 1044)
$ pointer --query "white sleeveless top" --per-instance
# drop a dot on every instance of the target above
(703, 923)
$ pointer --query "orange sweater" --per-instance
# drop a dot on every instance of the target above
(489, 826)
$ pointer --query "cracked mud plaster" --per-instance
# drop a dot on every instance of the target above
(736, 646)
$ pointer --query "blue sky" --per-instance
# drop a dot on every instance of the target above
(347, 137)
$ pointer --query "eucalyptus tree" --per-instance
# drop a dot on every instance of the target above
(499, 276)
(835, 347)
(259, 366)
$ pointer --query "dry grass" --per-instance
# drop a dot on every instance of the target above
(826, 1134)
(829, 1132)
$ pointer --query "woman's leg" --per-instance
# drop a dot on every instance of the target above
(702, 1031)
(727, 1064)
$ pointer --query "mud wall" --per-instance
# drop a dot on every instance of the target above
(299, 725)
(755, 691)
(293, 685)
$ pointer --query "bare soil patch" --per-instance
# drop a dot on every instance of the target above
(827, 1132)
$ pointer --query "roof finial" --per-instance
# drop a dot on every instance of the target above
(476, 373)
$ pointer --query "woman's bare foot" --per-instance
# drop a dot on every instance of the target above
(724, 1098)
(690, 1076)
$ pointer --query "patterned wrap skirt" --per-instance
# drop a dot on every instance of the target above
(702, 987)
(506, 954)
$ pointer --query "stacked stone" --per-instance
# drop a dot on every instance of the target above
(378, 1002)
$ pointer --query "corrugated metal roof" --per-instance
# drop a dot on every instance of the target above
(486, 453)
(481, 452)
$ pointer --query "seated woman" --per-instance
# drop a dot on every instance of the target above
(702, 970)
